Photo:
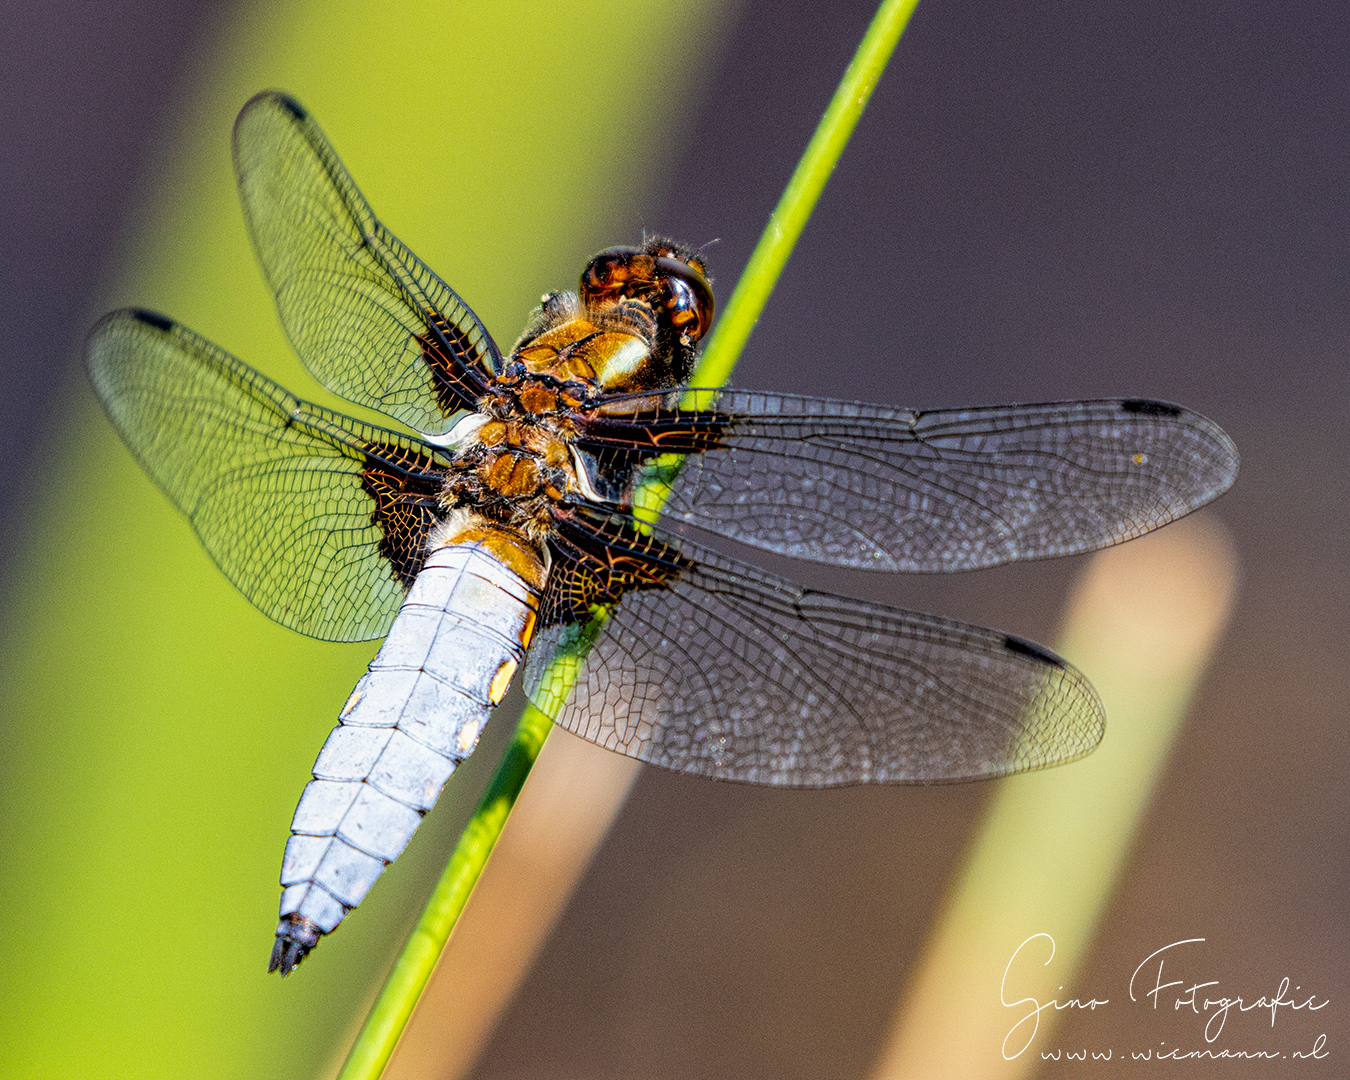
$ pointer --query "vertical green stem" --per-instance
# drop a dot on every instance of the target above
(375, 1044)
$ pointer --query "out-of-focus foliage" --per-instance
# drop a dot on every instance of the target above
(157, 730)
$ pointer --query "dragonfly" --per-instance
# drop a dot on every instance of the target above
(506, 519)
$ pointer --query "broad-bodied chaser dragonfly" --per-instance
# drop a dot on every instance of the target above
(512, 526)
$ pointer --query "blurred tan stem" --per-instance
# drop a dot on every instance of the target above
(1141, 624)
(560, 819)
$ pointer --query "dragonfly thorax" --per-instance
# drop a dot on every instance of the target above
(639, 313)
(515, 467)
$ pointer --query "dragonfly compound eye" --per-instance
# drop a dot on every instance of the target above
(687, 298)
(616, 274)
(677, 291)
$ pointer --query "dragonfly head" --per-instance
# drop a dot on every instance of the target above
(671, 281)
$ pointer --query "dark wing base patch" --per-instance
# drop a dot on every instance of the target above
(597, 561)
(705, 665)
(655, 430)
(405, 487)
(458, 385)
(894, 490)
(317, 518)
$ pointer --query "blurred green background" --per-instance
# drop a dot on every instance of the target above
(1127, 198)
(150, 784)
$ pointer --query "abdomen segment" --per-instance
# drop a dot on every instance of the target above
(413, 717)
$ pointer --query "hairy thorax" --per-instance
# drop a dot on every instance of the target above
(631, 327)
(516, 466)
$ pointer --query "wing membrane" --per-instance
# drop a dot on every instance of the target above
(367, 317)
(898, 490)
(729, 672)
(318, 519)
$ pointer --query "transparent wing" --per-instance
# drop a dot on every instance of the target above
(897, 490)
(366, 316)
(725, 671)
(318, 519)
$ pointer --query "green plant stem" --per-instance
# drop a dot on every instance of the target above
(391, 1011)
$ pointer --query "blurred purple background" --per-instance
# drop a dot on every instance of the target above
(1043, 201)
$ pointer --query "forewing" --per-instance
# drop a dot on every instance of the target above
(318, 519)
(896, 490)
(708, 666)
(367, 317)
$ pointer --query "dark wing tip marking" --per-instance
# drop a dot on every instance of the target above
(98, 360)
(1145, 407)
(275, 97)
(152, 318)
(1023, 647)
(291, 105)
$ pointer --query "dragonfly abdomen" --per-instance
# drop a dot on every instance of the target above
(413, 717)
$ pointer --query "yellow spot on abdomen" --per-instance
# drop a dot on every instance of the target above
(501, 681)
